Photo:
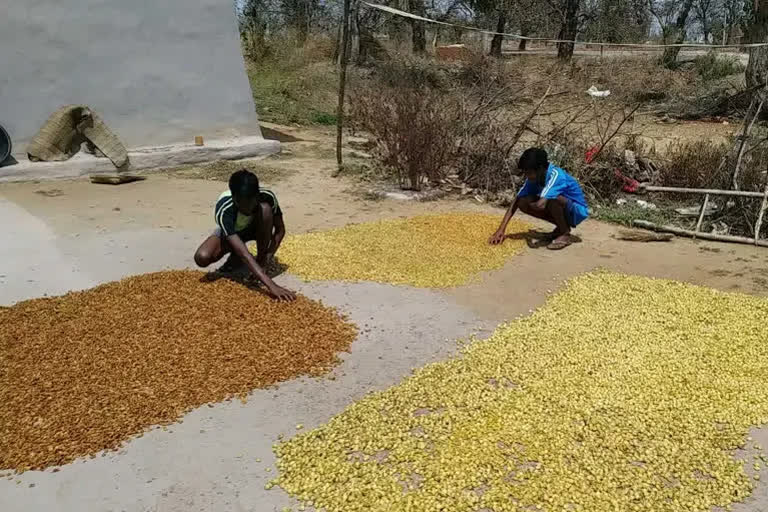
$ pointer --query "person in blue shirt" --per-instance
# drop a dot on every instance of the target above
(549, 193)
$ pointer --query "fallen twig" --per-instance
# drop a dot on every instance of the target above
(115, 179)
(643, 236)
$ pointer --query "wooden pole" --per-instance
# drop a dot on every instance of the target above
(711, 191)
(743, 144)
(708, 236)
(763, 207)
(703, 212)
(342, 81)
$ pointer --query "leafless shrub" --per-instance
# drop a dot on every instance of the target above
(413, 120)
(427, 127)
(694, 165)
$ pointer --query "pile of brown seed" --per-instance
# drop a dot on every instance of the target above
(85, 371)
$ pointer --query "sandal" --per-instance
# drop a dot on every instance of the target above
(545, 237)
(558, 245)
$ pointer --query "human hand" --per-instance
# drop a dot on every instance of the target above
(281, 294)
(497, 238)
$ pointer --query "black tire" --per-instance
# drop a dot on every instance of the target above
(5, 144)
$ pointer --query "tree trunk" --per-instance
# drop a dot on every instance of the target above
(501, 25)
(342, 81)
(337, 46)
(669, 59)
(397, 25)
(568, 30)
(521, 46)
(418, 34)
(757, 82)
(757, 68)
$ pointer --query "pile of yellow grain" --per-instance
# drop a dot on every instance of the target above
(85, 371)
(426, 251)
(620, 394)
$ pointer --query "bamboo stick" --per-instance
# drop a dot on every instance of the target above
(743, 143)
(693, 234)
(759, 223)
(716, 192)
(703, 211)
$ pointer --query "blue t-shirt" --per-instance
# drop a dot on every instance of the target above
(557, 183)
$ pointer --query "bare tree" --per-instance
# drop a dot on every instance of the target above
(733, 13)
(757, 68)
(616, 21)
(672, 33)
(706, 12)
(418, 34)
(501, 26)
(757, 82)
(569, 10)
(298, 15)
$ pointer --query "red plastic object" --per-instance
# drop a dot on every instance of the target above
(629, 185)
(589, 156)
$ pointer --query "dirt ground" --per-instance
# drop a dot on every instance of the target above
(63, 235)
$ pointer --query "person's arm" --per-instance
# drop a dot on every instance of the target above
(498, 236)
(552, 189)
(277, 238)
(240, 249)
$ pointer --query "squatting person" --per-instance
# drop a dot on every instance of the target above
(549, 193)
(243, 213)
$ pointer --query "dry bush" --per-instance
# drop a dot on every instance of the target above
(714, 66)
(485, 162)
(412, 117)
(426, 126)
(695, 165)
(698, 165)
(471, 111)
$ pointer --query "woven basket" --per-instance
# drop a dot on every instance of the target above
(64, 132)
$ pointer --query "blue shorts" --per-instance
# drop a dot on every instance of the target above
(576, 213)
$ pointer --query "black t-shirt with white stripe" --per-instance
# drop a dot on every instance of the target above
(231, 221)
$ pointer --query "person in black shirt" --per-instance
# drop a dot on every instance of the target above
(244, 213)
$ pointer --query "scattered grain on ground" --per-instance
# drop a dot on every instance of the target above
(426, 251)
(621, 393)
(85, 371)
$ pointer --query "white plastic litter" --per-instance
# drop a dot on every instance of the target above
(595, 93)
(646, 205)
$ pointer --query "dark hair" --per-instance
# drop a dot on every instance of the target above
(244, 183)
(533, 159)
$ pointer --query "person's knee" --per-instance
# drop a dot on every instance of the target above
(554, 205)
(524, 203)
(203, 257)
(536, 208)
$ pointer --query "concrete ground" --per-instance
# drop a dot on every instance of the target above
(66, 235)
